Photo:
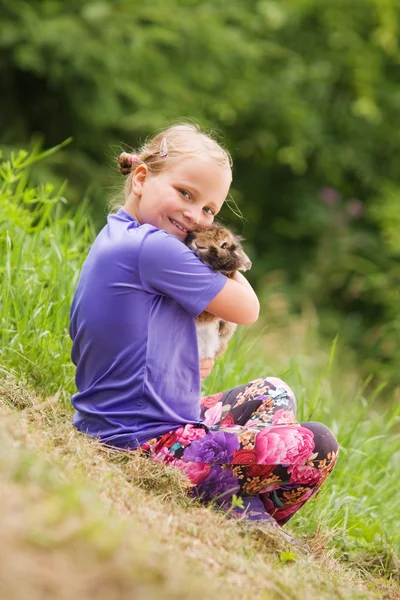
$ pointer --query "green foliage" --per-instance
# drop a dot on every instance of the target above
(359, 265)
(306, 93)
(287, 557)
(42, 249)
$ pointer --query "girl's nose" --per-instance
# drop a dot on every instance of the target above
(193, 215)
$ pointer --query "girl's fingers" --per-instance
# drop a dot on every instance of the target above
(206, 365)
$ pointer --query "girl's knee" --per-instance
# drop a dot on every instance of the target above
(324, 439)
(279, 384)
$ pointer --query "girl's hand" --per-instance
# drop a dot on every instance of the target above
(206, 365)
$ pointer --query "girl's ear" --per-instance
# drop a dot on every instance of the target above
(138, 179)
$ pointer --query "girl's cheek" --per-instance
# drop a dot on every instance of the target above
(207, 221)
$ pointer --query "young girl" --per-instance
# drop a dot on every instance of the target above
(135, 347)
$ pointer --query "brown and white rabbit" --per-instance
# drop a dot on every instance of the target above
(221, 250)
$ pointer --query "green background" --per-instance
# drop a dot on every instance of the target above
(304, 94)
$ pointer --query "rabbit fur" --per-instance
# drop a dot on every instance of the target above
(221, 250)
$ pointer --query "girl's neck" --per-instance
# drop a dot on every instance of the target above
(131, 207)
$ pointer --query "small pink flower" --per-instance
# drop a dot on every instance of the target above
(304, 474)
(355, 208)
(213, 415)
(167, 440)
(244, 457)
(279, 383)
(178, 463)
(196, 472)
(164, 456)
(285, 445)
(270, 488)
(330, 196)
(228, 420)
(187, 434)
(282, 513)
(282, 417)
(210, 401)
(268, 504)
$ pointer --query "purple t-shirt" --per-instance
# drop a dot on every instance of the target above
(134, 335)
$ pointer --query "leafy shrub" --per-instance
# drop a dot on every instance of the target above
(42, 249)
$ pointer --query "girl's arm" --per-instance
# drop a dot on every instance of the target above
(236, 302)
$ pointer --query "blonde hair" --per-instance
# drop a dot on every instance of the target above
(161, 151)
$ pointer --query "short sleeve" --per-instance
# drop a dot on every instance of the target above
(168, 267)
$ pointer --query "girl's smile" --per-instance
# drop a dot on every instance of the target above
(187, 195)
(180, 226)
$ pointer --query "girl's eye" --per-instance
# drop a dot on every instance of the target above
(208, 210)
(185, 194)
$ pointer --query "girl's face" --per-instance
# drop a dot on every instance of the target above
(187, 195)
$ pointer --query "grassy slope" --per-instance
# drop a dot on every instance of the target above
(74, 521)
(77, 519)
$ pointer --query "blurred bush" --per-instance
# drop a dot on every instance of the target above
(305, 92)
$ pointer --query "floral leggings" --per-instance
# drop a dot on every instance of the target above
(249, 444)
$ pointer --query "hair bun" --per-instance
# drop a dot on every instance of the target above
(125, 162)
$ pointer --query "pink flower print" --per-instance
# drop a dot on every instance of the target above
(268, 504)
(278, 383)
(282, 417)
(212, 416)
(164, 456)
(178, 463)
(270, 488)
(304, 474)
(244, 457)
(228, 420)
(210, 401)
(284, 445)
(283, 513)
(196, 472)
(167, 440)
(186, 435)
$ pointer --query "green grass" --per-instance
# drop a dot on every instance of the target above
(115, 524)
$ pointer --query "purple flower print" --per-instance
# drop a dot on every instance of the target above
(219, 485)
(214, 447)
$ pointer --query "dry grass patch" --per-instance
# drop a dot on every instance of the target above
(78, 519)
